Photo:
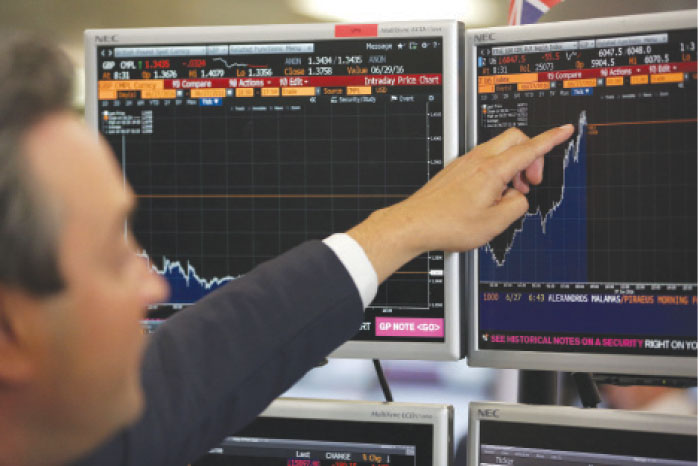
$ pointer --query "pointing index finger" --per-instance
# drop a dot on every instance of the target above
(503, 141)
(520, 156)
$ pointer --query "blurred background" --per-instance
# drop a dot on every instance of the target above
(411, 381)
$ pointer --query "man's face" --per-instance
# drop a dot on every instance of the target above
(88, 372)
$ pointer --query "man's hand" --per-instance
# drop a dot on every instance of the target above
(462, 207)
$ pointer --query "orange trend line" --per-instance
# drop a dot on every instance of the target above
(267, 196)
(647, 122)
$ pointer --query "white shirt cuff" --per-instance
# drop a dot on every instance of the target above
(353, 257)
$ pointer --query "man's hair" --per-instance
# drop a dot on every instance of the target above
(36, 80)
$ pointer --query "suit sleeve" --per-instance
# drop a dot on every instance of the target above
(212, 368)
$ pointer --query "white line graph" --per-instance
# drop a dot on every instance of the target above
(571, 155)
(188, 273)
(230, 65)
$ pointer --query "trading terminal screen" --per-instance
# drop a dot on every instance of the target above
(605, 260)
(308, 442)
(238, 152)
(524, 444)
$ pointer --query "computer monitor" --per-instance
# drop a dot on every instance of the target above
(302, 432)
(520, 435)
(601, 274)
(242, 142)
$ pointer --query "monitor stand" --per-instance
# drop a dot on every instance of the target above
(587, 389)
(538, 387)
(542, 388)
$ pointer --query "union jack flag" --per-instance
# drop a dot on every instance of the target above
(528, 11)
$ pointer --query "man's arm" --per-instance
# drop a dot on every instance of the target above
(464, 206)
(212, 368)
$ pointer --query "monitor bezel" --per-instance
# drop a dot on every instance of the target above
(452, 32)
(440, 416)
(542, 360)
(634, 421)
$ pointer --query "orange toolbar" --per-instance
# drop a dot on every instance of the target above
(538, 86)
(158, 94)
(359, 90)
(245, 92)
(207, 93)
(667, 78)
(298, 91)
(575, 83)
(131, 85)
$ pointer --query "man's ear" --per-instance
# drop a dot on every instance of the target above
(18, 313)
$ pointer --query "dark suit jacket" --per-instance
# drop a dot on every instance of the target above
(212, 368)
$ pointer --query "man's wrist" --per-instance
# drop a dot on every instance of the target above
(356, 262)
(388, 238)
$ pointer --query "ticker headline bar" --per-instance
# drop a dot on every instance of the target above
(270, 87)
(308, 81)
(678, 67)
(625, 41)
(253, 49)
(564, 75)
(201, 50)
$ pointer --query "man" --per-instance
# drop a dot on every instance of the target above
(77, 379)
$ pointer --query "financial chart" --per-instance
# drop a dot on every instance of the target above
(605, 260)
(239, 152)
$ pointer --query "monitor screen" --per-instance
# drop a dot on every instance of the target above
(320, 433)
(242, 142)
(522, 435)
(604, 263)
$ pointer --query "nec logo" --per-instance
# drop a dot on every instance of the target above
(485, 37)
(490, 413)
(106, 39)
